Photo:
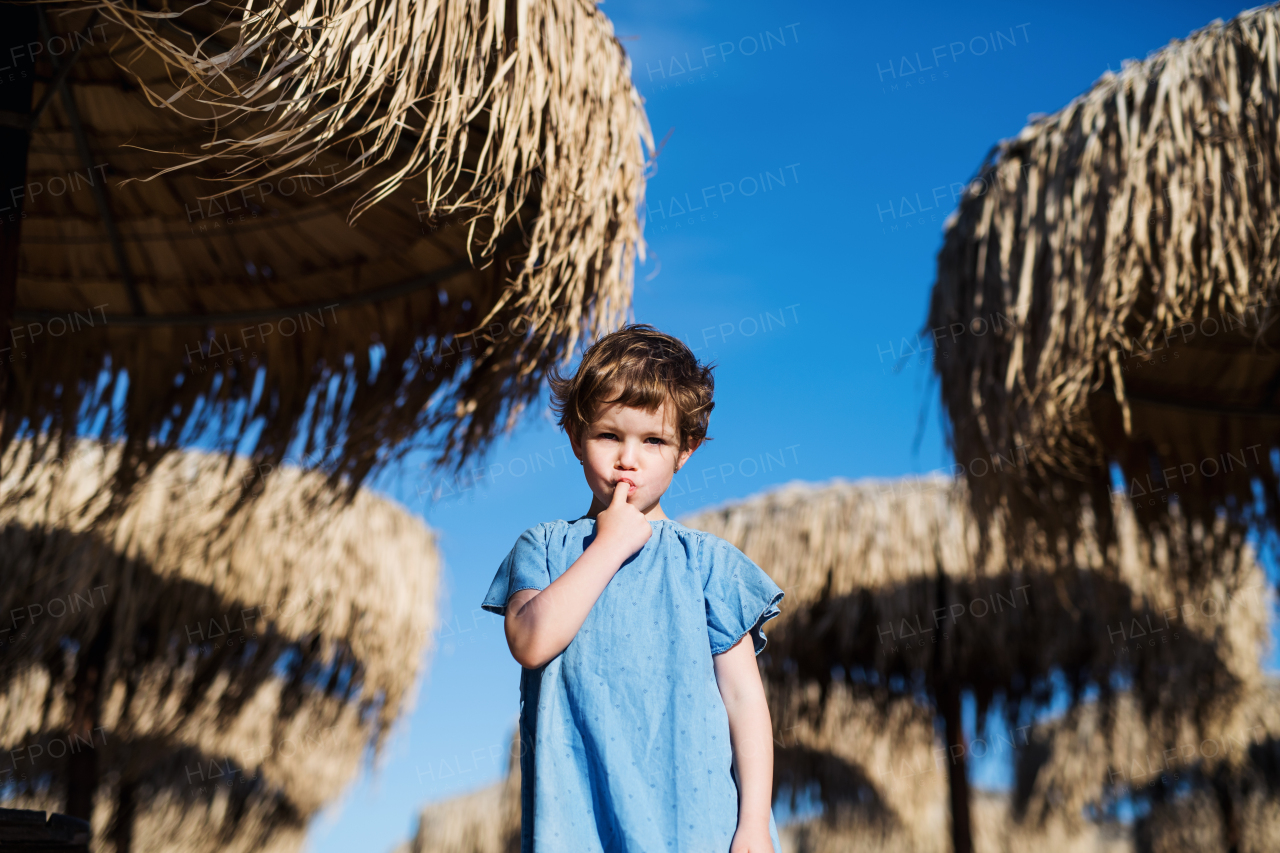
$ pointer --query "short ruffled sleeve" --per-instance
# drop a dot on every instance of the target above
(525, 567)
(739, 596)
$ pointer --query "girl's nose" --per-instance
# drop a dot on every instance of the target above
(627, 457)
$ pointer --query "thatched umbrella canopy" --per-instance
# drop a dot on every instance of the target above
(1106, 292)
(893, 795)
(872, 763)
(996, 830)
(878, 763)
(1209, 785)
(344, 224)
(879, 766)
(486, 820)
(893, 592)
(186, 648)
(201, 790)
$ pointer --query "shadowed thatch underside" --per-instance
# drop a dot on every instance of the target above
(1106, 291)
(494, 154)
(1090, 759)
(892, 796)
(995, 830)
(889, 591)
(284, 639)
(179, 798)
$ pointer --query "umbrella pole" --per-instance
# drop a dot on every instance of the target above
(82, 765)
(947, 700)
(126, 809)
(18, 40)
(1230, 817)
(957, 770)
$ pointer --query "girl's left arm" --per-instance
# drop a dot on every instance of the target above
(751, 734)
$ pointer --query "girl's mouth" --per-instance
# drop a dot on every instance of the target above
(628, 482)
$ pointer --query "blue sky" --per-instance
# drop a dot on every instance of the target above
(789, 160)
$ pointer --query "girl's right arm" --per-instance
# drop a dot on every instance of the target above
(540, 624)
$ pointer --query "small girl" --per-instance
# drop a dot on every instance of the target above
(643, 722)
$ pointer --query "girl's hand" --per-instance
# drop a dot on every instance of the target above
(752, 838)
(622, 525)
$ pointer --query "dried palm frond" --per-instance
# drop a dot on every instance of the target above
(279, 643)
(885, 577)
(495, 155)
(544, 86)
(1105, 292)
(893, 594)
(169, 795)
(996, 830)
(1196, 779)
(892, 796)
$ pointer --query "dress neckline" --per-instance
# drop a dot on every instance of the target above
(651, 521)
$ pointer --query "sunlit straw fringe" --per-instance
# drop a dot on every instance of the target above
(1149, 200)
(862, 565)
(545, 85)
(333, 586)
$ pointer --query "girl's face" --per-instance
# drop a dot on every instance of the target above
(630, 444)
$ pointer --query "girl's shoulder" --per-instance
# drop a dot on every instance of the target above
(559, 531)
(687, 534)
(690, 532)
(543, 528)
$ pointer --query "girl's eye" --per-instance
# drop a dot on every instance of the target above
(612, 436)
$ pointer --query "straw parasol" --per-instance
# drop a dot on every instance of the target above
(1213, 788)
(486, 820)
(996, 830)
(271, 651)
(865, 763)
(873, 765)
(1105, 292)
(893, 593)
(334, 227)
(895, 796)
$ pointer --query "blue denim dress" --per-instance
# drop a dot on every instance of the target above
(624, 736)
